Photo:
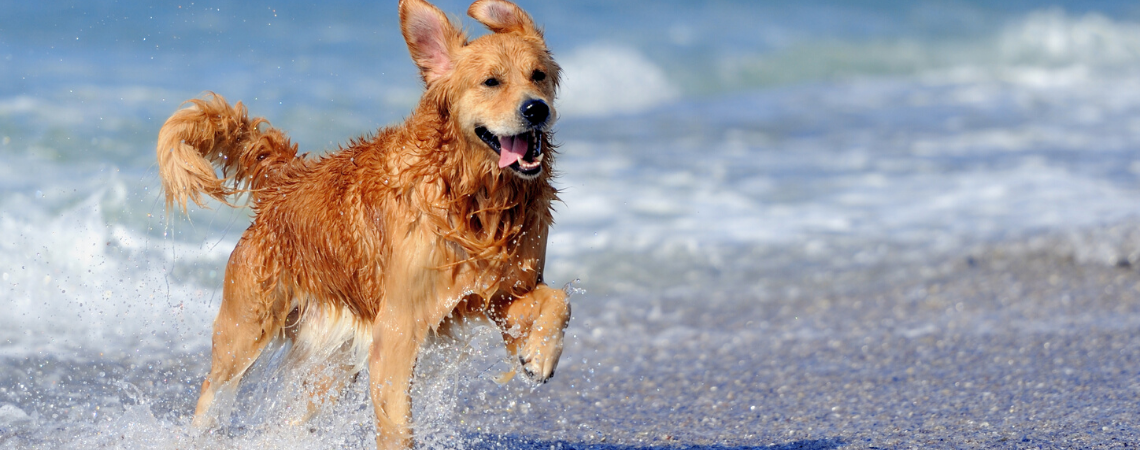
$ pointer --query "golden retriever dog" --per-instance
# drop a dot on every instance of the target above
(358, 256)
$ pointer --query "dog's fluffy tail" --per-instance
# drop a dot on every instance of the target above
(210, 133)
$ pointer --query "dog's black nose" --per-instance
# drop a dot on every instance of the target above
(536, 112)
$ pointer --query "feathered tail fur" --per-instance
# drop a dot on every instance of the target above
(210, 133)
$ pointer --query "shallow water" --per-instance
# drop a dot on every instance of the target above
(833, 224)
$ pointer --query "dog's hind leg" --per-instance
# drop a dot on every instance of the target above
(247, 321)
(533, 326)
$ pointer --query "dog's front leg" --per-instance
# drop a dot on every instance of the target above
(395, 345)
(533, 326)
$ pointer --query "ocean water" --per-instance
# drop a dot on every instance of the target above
(736, 176)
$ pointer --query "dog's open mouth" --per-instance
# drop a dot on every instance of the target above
(521, 152)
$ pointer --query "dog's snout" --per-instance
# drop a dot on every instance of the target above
(536, 112)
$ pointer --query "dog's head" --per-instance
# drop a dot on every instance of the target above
(498, 89)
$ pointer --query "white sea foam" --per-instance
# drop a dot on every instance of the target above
(911, 208)
(1048, 47)
(74, 280)
(1052, 36)
(603, 80)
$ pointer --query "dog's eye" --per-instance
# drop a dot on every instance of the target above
(491, 82)
(538, 75)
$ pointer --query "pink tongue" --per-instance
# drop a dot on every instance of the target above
(513, 148)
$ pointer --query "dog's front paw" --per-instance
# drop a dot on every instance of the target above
(539, 355)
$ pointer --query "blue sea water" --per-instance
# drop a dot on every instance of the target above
(704, 146)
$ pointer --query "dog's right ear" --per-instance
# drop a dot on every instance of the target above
(431, 38)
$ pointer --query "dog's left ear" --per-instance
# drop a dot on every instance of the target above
(502, 16)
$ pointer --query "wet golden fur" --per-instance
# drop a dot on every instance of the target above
(360, 255)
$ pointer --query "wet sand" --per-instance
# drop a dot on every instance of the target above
(1024, 345)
